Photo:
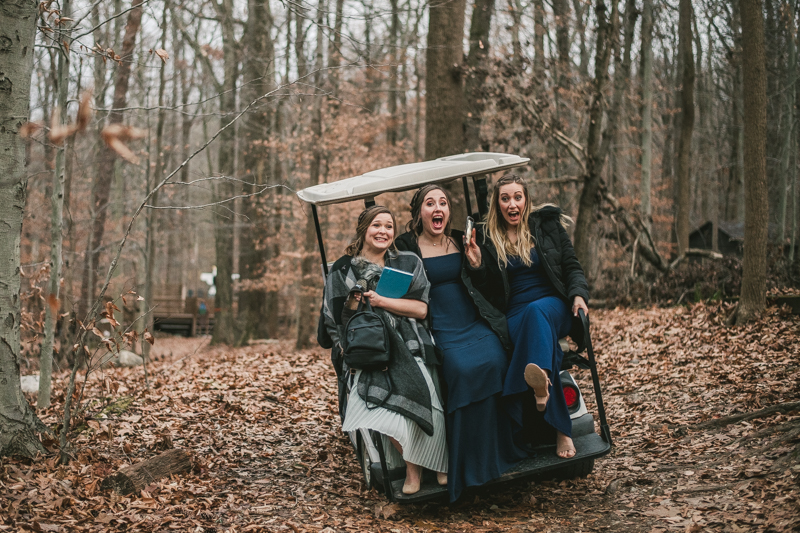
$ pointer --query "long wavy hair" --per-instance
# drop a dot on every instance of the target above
(364, 220)
(496, 226)
(415, 224)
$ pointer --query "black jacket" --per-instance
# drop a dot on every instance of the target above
(496, 320)
(555, 251)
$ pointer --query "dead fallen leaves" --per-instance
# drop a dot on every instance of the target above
(263, 425)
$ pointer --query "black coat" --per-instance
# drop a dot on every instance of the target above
(555, 251)
(496, 320)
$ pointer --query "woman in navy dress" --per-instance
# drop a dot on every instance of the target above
(473, 338)
(533, 275)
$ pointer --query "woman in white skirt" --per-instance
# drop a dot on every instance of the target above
(404, 402)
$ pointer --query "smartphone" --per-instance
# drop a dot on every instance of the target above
(468, 229)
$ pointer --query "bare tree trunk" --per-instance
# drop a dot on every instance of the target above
(257, 80)
(789, 119)
(647, 113)
(394, 30)
(515, 11)
(622, 74)
(561, 12)
(224, 323)
(538, 41)
(590, 198)
(105, 167)
(307, 301)
(444, 101)
(581, 11)
(18, 422)
(152, 219)
(754, 273)
(476, 72)
(56, 216)
(683, 198)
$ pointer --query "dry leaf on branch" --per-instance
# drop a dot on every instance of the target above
(149, 337)
(163, 54)
(59, 132)
(84, 111)
(115, 135)
(29, 129)
(53, 303)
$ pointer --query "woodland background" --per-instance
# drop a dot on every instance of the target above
(296, 93)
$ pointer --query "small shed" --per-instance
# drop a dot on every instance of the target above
(730, 237)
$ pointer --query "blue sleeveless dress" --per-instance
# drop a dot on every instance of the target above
(479, 430)
(537, 317)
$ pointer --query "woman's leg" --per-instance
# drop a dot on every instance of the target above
(564, 446)
(414, 474)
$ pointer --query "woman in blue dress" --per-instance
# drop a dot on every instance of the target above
(534, 277)
(473, 338)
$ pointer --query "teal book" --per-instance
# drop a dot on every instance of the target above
(393, 283)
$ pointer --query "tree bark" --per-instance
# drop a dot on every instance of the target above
(476, 72)
(257, 80)
(56, 215)
(444, 101)
(225, 331)
(561, 12)
(105, 168)
(787, 170)
(18, 422)
(647, 113)
(622, 74)
(152, 218)
(683, 198)
(538, 41)
(754, 271)
(590, 199)
(394, 119)
(307, 300)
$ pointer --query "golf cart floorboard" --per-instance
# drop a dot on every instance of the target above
(590, 446)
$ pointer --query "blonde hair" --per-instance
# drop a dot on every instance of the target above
(497, 228)
(364, 220)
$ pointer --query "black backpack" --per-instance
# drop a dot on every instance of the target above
(366, 343)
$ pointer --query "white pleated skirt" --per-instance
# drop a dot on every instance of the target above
(418, 448)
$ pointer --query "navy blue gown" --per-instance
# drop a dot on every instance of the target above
(479, 431)
(537, 317)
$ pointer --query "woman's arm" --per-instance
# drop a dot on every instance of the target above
(398, 306)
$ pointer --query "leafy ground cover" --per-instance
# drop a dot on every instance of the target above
(706, 421)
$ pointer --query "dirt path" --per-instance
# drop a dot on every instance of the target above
(264, 428)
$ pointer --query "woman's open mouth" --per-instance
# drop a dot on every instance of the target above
(513, 216)
(437, 222)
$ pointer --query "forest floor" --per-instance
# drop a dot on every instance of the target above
(705, 419)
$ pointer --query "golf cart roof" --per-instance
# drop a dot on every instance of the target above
(410, 176)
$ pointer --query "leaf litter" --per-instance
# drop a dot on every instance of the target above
(705, 420)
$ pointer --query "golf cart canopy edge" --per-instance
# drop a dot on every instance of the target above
(410, 176)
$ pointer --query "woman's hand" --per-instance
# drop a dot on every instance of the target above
(472, 250)
(399, 306)
(375, 299)
(579, 303)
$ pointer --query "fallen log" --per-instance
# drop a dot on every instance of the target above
(134, 478)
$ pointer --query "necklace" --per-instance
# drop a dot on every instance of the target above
(441, 241)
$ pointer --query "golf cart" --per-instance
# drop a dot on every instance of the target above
(381, 464)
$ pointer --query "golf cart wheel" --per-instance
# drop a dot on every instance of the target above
(575, 470)
(365, 461)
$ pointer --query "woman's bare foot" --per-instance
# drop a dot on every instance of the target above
(564, 446)
(413, 478)
(441, 478)
(537, 379)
